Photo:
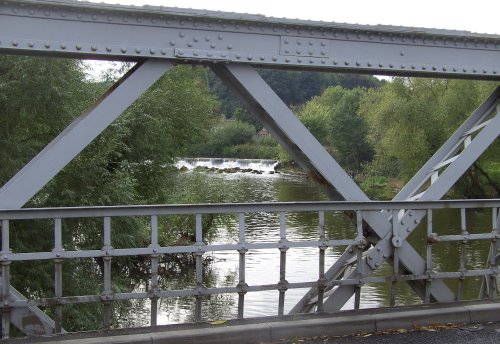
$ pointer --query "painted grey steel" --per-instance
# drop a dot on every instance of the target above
(52, 159)
(200, 248)
(113, 32)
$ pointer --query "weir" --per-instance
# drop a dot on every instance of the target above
(247, 165)
(233, 46)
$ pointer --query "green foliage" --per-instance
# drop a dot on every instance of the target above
(334, 120)
(409, 119)
(223, 137)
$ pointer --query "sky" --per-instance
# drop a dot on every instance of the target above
(481, 16)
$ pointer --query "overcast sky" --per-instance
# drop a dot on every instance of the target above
(482, 16)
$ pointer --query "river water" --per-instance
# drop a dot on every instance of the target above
(262, 266)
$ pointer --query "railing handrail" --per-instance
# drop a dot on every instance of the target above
(224, 208)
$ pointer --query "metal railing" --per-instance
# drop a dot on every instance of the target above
(394, 209)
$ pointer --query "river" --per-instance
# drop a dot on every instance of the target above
(262, 266)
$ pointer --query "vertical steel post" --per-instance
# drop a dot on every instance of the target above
(463, 248)
(6, 280)
(359, 264)
(199, 267)
(154, 271)
(395, 236)
(282, 285)
(429, 263)
(241, 274)
(107, 294)
(322, 249)
(58, 273)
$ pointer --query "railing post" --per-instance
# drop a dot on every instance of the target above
(6, 309)
(396, 243)
(283, 283)
(429, 262)
(58, 261)
(107, 294)
(199, 267)
(463, 248)
(359, 258)
(322, 249)
(154, 271)
(242, 285)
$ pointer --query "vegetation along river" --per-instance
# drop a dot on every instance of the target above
(262, 266)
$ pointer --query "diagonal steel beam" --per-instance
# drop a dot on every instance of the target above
(436, 190)
(262, 102)
(79, 134)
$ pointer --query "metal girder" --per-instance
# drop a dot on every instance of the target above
(72, 140)
(261, 101)
(102, 31)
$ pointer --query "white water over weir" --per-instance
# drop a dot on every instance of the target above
(243, 165)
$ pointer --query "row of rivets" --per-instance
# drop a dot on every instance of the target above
(347, 34)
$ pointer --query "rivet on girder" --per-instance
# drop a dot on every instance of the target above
(172, 43)
(195, 39)
(153, 21)
(223, 54)
(494, 72)
(412, 66)
(182, 22)
(110, 18)
(31, 44)
(299, 42)
(323, 52)
(79, 16)
(108, 49)
(46, 13)
(94, 17)
(93, 48)
(465, 70)
(47, 45)
(212, 46)
(63, 46)
(299, 32)
(64, 15)
(125, 20)
(402, 53)
(434, 68)
(275, 58)
(299, 60)
(368, 64)
(78, 47)
(237, 27)
(195, 24)
(287, 51)
(357, 63)
(152, 51)
(238, 56)
(334, 62)
(311, 61)
(138, 50)
(444, 69)
(189, 44)
(424, 68)
(250, 28)
(181, 34)
(163, 52)
(32, 12)
(474, 70)
(275, 29)
(347, 36)
(311, 43)
(311, 52)
(219, 37)
(403, 66)
(123, 50)
(299, 51)
(323, 61)
(391, 66)
(207, 38)
(262, 58)
(380, 65)
(195, 53)
(287, 60)
(346, 63)
(15, 43)
(229, 46)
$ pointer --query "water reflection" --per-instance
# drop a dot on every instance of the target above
(262, 266)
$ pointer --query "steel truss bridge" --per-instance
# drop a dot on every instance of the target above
(233, 46)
